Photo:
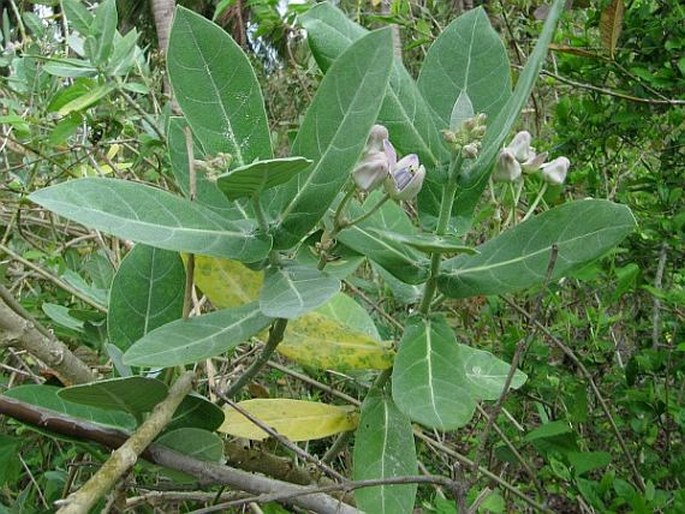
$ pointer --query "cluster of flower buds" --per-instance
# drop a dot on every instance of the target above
(466, 138)
(378, 166)
(519, 157)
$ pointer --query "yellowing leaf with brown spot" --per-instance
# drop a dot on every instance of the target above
(298, 420)
(227, 283)
(321, 342)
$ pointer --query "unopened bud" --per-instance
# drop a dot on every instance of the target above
(371, 171)
(470, 151)
(507, 168)
(554, 172)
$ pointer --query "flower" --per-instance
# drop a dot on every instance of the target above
(507, 168)
(371, 171)
(405, 176)
(373, 166)
(520, 146)
(554, 172)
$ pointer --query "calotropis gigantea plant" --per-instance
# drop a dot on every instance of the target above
(301, 224)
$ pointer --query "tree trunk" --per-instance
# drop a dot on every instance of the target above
(163, 12)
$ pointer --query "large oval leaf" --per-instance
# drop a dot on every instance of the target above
(297, 420)
(404, 111)
(217, 89)
(146, 293)
(468, 56)
(196, 442)
(384, 448)
(428, 379)
(185, 341)
(518, 258)
(333, 134)
(142, 213)
(486, 374)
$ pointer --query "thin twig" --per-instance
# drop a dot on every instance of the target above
(656, 305)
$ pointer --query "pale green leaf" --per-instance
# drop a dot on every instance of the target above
(429, 382)
(346, 310)
(428, 243)
(77, 15)
(146, 293)
(469, 57)
(519, 258)
(462, 111)
(217, 89)
(134, 211)
(298, 420)
(186, 341)
(251, 179)
(486, 374)
(403, 111)
(103, 29)
(333, 135)
(291, 290)
(384, 448)
(69, 68)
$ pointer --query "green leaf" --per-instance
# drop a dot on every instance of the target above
(486, 374)
(186, 341)
(583, 462)
(429, 383)
(384, 448)
(428, 243)
(333, 135)
(518, 258)
(103, 29)
(69, 68)
(60, 315)
(78, 16)
(121, 394)
(298, 420)
(549, 430)
(123, 58)
(195, 442)
(147, 292)
(468, 57)
(251, 179)
(291, 290)
(368, 238)
(474, 178)
(46, 396)
(403, 111)
(197, 411)
(142, 213)
(217, 89)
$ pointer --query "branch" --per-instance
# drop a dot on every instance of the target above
(207, 473)
(18, 329)
(126, 456)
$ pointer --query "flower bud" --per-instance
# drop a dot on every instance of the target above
(371, 171)
(376, 137)
(470, 151)
(534, 163)
(554, 172)
(507, 168)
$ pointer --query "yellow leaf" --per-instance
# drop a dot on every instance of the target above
(298, 420)
(321, 342)
(227, 283)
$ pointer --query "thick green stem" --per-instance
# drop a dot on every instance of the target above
(260, 214)
(275, 337)
(446, 203)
